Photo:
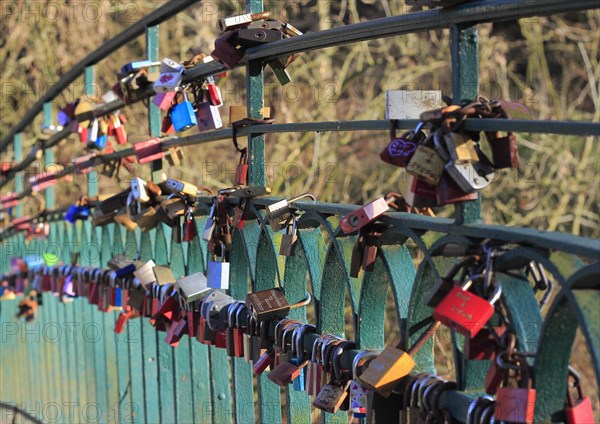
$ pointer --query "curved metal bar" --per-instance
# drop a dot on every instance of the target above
(570, 310)
(266, 278)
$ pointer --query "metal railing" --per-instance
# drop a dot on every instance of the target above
(136, 377)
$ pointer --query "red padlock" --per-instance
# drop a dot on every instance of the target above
(122, 321)
(578, 411)
(164, 101)
(464, 311)
(484, 346)
(176, 331)
(241, 170)
(119, 130)
(417, 193)
(516, 404)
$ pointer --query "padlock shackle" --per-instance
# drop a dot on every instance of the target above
(363, 355)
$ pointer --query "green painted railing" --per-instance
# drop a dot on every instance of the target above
(69, 366)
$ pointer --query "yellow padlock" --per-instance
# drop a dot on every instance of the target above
(385, 372)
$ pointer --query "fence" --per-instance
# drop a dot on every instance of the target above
(136, 377)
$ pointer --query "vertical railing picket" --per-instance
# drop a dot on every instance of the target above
(243, 390)
(269, 395)
(182, 371)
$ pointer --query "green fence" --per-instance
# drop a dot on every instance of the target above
(69, 366)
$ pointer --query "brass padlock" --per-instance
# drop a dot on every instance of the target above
(460, 147)
(426, 164)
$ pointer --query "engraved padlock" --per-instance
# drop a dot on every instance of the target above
(464, 311)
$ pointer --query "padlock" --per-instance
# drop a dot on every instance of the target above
(122, 217)
(505, 153)
(149, 150)
(181, 187)
(241, 169)
(333, 394)
(227, 50)
(358, 393)
(239, 330)
(279, 212)
(484, 345)
(138, 190)
(516, 404)
(214, 93)
(229, 331)
(401, 149)
(464, 311)
(171, 74)
(252, 341)
(460, 147)
(183, 115)
(240, 21)
(208, 117)
(145, 274)
(448, 192)
(386, 370)
(271, 304)
(357, 219)
(167, 125)
(164, 101)
(92, 134)
(217, 273)
(300, 358)
(426, 164)
(147, 218)
(578, 411)
(189, 227)
(192, 287)
(119, 129)
(287, 371)
(250, 37)
(163, 275)
(289, 239)
(177, 330)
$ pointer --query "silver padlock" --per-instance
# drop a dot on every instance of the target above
(138, 190)
(192, 287)
(208, 117)
(217, 273)
(279, 212)
(145, 273)
(215, 305)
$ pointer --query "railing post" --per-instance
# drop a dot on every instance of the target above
(153, 110)
(88, 81)
(465, 85)
(255, 102)
(48, 157)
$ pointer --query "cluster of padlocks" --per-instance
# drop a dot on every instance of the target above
(328, 368)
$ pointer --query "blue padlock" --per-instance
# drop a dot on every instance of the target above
(183, 116)
(101, 141)
(75, 212)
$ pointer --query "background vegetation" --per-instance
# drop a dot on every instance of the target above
(550, 64)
